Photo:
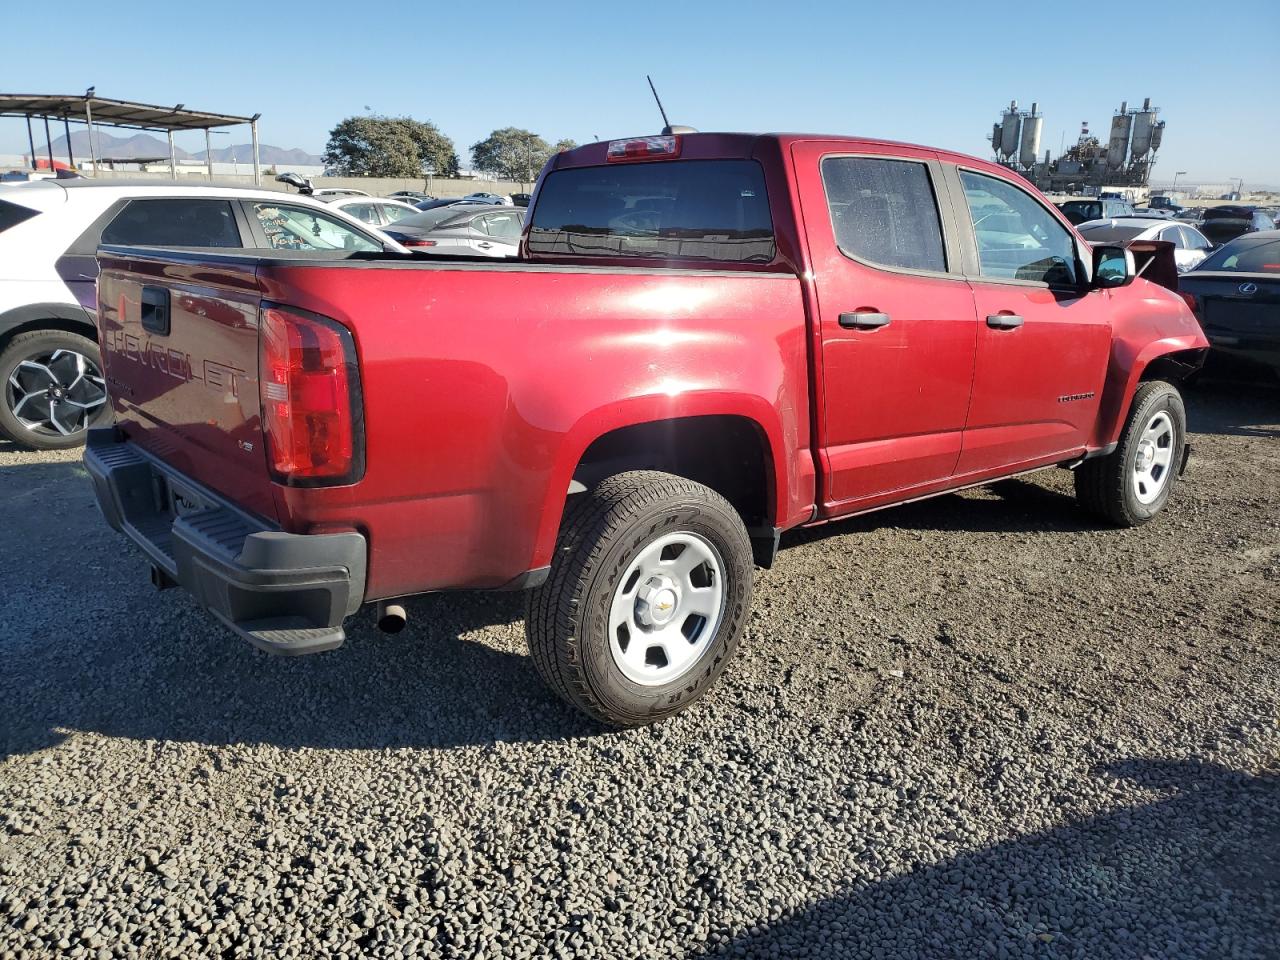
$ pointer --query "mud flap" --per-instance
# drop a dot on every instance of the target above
(1186, 458)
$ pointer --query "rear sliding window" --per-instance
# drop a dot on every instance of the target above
(713, 210)
(11, 214)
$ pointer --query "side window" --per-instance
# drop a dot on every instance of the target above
(1018, 239)
(1196, 240)
(394, 212)
(505, 225)
(174, 223)
(1176, 236)
(298, 228)
(364, 212)
(884, 211)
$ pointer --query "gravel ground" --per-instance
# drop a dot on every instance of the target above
(980, 726)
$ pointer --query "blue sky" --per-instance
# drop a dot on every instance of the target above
(934, 73)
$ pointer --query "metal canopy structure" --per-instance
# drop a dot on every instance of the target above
(150, 117)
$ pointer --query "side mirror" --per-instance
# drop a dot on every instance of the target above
(1113, 266)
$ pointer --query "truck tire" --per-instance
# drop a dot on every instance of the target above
(1133, 483)
(648, 593)
(51, 389)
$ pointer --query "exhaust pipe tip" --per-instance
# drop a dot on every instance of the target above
(161, 580)
(391, 617)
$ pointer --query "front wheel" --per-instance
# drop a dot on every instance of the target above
(648, 594)
(1133, 483)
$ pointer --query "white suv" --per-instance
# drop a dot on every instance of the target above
(51, 385)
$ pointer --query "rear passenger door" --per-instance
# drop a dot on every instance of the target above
(1044, 337)
(896, 322)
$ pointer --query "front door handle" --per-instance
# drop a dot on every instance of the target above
(864, 320)
(1004, 321)
(484, 244)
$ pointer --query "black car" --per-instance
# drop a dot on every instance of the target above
(1222, 224)
(1103, 208)
(1236, 294)
(521, 199)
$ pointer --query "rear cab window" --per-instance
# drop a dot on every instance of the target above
(690, 210)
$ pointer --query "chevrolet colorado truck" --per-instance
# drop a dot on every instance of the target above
(707, 340)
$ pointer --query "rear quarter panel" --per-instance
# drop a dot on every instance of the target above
(483, 386)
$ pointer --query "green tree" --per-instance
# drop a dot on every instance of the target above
(565, 144)
(511, 154)
(376, 146)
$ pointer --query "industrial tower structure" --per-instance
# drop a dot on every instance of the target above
(1088, 165)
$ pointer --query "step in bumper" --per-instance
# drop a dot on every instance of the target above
(285, 593)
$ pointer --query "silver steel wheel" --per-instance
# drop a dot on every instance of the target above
(1153, 460)
(56, 393)
(667, 608)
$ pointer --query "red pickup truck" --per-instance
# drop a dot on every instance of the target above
(707, 339)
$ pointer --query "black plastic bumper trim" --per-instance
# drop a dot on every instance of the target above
(283, 592)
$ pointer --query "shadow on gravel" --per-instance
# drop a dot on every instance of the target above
(1195, 875)
(189, 680)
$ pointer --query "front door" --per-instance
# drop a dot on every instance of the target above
(1044, 338)
(896, 322)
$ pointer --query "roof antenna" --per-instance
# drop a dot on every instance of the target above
(667, 128)
(666, 124)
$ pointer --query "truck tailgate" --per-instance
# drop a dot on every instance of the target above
(179, 336)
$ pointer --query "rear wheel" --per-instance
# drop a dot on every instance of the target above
(51, 389)
(1133, 483)
(648, 594)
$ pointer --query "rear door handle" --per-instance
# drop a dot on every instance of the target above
(1004, 321)
(861, 320)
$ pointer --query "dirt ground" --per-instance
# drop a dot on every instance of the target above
(982, 725)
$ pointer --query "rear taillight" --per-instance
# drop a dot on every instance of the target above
(312, 415)
(1190, 298)
(643, 148)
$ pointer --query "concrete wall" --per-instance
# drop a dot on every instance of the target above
(377, 186)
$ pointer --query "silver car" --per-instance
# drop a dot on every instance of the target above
(1190, 246)
(466, 229)
(374, 211)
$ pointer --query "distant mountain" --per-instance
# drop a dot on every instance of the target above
(113, 148)
(269, 155)
(144, 145)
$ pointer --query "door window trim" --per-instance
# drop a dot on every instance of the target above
(951, 249)
(969, 239)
